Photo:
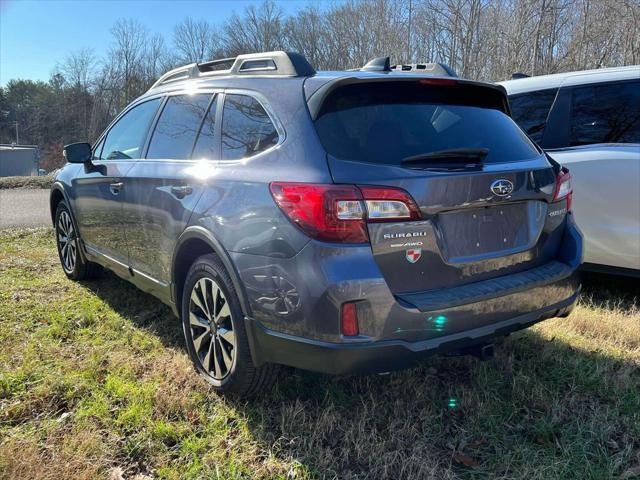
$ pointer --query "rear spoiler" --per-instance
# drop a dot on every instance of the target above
(317, 98)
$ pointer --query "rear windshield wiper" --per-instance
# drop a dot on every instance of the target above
(457, 156)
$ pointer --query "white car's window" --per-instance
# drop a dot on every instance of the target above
(530, 110)
(605, 113)
(126, 138)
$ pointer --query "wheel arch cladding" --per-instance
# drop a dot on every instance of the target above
(193, 244)
(55, 197)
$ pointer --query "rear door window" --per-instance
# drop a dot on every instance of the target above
(530, 111)
(247, 129)
(126, 138)
(179, 122)
(605, 113)
(387, 122)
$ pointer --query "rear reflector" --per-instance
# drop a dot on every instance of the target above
(339, 213)
(564, 188)
(349, 319)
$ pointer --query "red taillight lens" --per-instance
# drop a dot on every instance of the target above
(349, 319)
(339, 213)
(564, 189)
(325, 212)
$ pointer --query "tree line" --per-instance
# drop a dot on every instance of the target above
(480, 39)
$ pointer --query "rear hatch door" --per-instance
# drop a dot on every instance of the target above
(482, 187)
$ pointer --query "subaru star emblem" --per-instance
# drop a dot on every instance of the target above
(413, 255)
(502, 187)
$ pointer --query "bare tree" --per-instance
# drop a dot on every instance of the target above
(79, 67)
(127, 53)
(195, 40)
(307, 33)
(258, 29)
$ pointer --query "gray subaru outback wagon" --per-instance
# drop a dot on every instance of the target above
(342, 222)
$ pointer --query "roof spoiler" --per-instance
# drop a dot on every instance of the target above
(290, 64)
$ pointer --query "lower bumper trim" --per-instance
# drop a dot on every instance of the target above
(269, 346)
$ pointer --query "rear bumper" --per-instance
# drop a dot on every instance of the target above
(395, 330)
(385, 355)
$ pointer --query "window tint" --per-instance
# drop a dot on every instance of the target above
(530, 111)
(178, 126)
(387, 122)
(205, 145)
(246, 128)
(126, 137)
(605, 113)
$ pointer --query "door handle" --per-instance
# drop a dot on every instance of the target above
(115, 187)
(181, 191)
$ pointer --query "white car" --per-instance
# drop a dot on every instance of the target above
(590, 122)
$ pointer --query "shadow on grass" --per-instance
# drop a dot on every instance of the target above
(143, 309)
(541, 409)
(610, 291)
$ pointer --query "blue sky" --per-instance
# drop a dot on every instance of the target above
(36, 34)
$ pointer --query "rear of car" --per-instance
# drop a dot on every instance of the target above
(590, 122)
(444, 225)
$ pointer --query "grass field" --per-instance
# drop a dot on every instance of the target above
(95, 383)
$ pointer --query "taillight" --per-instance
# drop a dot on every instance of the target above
(564, 188)
(339, 213)
(386, 204)
(325, 212)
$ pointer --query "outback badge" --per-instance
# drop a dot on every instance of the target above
(413, 255)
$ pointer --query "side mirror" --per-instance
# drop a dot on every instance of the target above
(77, 152)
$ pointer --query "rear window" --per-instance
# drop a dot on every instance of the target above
(386, 122)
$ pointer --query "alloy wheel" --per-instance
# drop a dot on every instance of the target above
(67, 243)
(212, 331)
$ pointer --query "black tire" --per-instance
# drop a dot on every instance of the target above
(211, 314)
(73, 263)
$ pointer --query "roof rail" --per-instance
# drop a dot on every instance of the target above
(266, 63)
(518, 75)
(435, 68)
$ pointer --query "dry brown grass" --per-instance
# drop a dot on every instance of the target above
(94, 383)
